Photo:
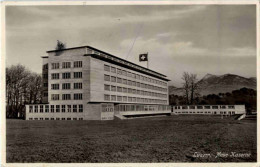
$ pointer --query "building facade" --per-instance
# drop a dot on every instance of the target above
(210, 109)
(85, 83)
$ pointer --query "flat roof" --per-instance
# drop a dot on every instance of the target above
(162, 76)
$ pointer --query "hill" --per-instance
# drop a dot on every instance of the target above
(214, 84)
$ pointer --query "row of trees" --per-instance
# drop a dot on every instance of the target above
(22, 87)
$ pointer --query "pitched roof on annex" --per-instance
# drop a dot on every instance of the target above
(96, 53)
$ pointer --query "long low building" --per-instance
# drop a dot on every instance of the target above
(209, 109)
(84, 83)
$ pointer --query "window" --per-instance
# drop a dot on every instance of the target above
(214, 107)
(107, 77)
(80, 108)
(223, 107)
(138, 84)
(129, 82)
(130, 99)
(69, 108)
(134, 99)
(124, 72)
(119, 80)
(66, 75)
(68, 118)
(55, 76)
(77, 74)
(206, 107)
(119, 98)
(55, 97)
(119, 89)
(124, 98)
(192, 107)
(45, 84)
(46, 108)
(125, 81)
(75, 108)
(66, 97)
(113, 88)
(199, 107)
(119, 71)
(113, 69)
(35, 108)
(107, 97)
(133, 91)
(52, 108)
(57, 108)
(134, 83)
(113, 97)
(113, 79)
(77, 64)
(41, 108)
(45, 76)
(129, 90)
(66, 86)
(231, 107)
(63, 108)
(125, 90)
(77, 85)
(45, 66)
(129, 74)
(65, 64)
(107, 87)
(55, 65)
(107, 68)
(55, 86)
(78, 96)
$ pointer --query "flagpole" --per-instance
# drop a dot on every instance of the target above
(147, 61)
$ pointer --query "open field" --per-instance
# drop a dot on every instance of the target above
(160, 139)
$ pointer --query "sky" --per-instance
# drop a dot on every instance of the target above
(199, 39)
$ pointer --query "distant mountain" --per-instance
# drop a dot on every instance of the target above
(214, 84)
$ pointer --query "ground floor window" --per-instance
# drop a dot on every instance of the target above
(75, 108)
(30, 108)
(57, 108)
(80, 108)
(69, 108)
(46, 108)
(63, 109)
(52, 108)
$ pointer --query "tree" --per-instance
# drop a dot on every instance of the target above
(59, 47)
(194, 87)
(186, 86)
(190, 87)
(22, 87)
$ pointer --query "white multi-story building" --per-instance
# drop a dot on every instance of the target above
(85, 83)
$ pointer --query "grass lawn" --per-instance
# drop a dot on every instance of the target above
(160, 139)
